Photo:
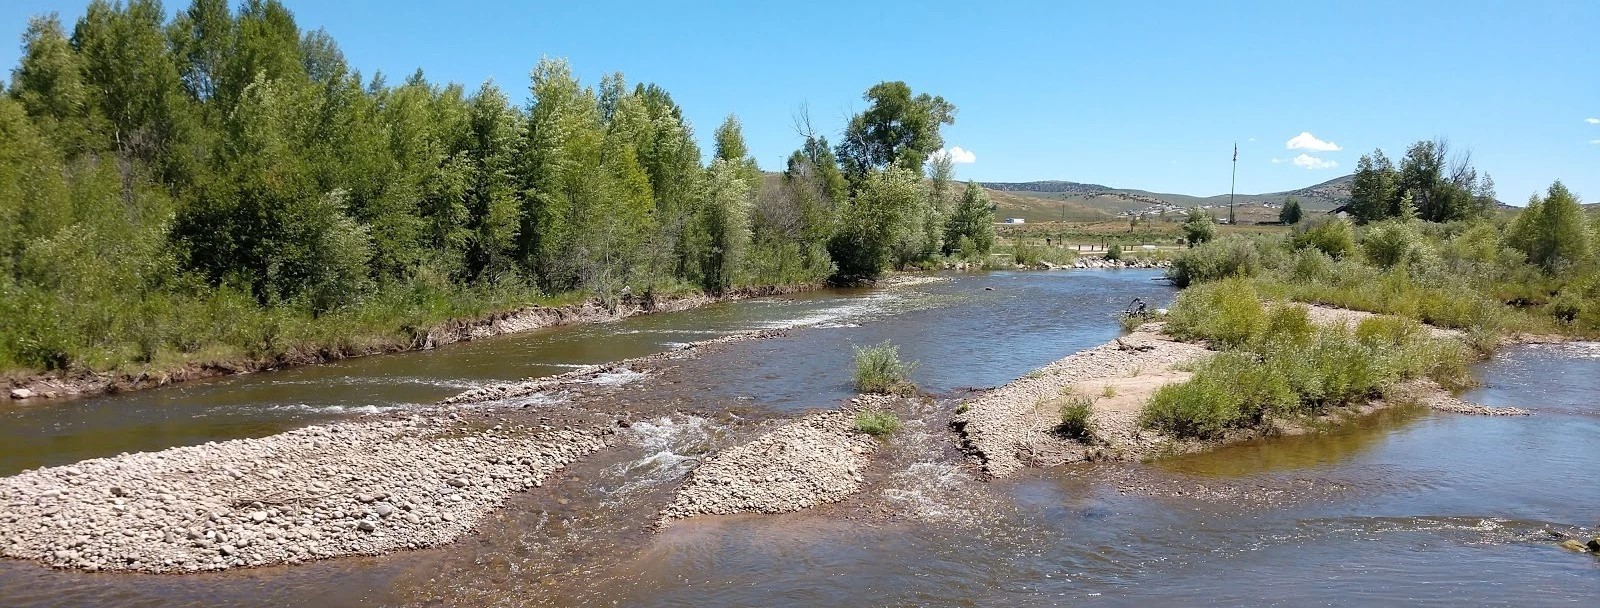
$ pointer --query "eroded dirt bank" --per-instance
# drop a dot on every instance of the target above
(81, 383)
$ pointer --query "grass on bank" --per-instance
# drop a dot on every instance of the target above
(1276, 364)
(879, 370)
(46, 331)
(877, 422)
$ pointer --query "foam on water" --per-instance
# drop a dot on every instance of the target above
(1579, 350)
(618, 377)
(539, 398)
(669, 448)
(456, 383)
(334, 410)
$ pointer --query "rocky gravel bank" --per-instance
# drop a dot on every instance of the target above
(817, 459)
(357, 488)
(1014, 426)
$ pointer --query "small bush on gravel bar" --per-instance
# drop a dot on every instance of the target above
(1075, 413)
(879, 370)
(877, 422)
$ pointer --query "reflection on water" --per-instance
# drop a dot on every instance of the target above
(1336, 444)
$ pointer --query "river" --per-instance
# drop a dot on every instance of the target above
(1408, 507)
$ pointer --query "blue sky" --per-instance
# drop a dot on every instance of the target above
(1140, 95)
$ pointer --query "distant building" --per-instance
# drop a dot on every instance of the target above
(1016, 220)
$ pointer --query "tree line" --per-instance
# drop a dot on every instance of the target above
(155, 168)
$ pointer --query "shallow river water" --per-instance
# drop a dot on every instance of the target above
(1408, 507)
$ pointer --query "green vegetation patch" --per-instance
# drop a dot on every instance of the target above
(877, 422)
(879, 370)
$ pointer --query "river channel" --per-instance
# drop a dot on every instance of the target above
(1406, 507)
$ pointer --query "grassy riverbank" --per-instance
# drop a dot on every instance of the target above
(1492, 278)
(220, 336)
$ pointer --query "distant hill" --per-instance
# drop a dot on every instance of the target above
(1057, 200)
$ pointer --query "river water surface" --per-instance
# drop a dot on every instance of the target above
(1408, 507)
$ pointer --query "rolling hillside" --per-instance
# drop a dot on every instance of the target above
(1055, 200)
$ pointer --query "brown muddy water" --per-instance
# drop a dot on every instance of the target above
(1408, 507)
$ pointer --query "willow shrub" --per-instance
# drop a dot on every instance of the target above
(1227, 313)
(879, 370)
(1287, 371)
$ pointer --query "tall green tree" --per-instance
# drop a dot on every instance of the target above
(1552, 231)
(726, 224)
(561, 151)
(876, 227)
(969, 231)
(50, 85)
(1291, 212)
(490, 196)
(1375, 189)
(671, 158)
(898, 129)
(1199, 227)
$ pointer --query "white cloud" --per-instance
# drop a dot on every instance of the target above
(1306, 141)
(1252, 139)
(1311, 162)
(1277, 161)
(1594, 141)
(1592, 121)
(956, 155)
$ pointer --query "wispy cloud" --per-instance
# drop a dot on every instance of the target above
(1592, 121)
(1306, 141)
(956, 155)
(1278, 161)
(1311, 162)
(1594, 141)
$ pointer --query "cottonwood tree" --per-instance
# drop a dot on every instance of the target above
(1552, 231)
(898, 129)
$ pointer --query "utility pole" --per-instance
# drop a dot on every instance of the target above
(1235, 182)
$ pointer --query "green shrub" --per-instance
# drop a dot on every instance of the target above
(1197, 408)
(1034, 254)
(877, 422)
(1289, 372)
(1076, 411)
(1391, 243)
(1312, 266)
(1333, 236)
(1226, 257)
(1114, 252)
(1199, 228)
(1289, 323)
(880, 370)
(1228, 313)
(1566, 307)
